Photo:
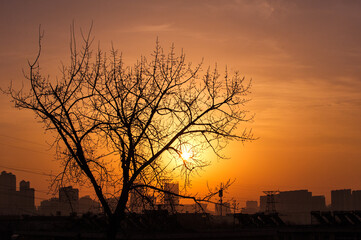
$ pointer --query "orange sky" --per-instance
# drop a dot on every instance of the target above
(304, 58)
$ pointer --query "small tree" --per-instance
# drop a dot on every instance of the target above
(122, 128)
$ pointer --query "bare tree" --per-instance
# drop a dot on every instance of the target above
(120, 128)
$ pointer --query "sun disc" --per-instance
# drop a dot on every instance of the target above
(186, 155)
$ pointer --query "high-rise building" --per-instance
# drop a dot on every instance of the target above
(169, 198)
(318, 203)
(13, 202)
(7, 181)
(294, 206)
(69, 193)
(7, 193)
(356, 200)
(295, 201)
(341, 200)
(263, 203)
(68, 200)
(171, 201)
(26, 198)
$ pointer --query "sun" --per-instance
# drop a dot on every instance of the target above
(186, 153)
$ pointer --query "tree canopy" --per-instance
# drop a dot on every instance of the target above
(120, 127)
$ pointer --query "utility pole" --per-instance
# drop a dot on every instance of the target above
(220, 194)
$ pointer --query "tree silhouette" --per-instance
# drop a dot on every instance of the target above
(120, 128)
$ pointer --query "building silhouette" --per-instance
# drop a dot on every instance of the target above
(7, 193)
(26, 197)
(141, 200)
(69, 203)
(295, 206)
(341, 200)
(169, 198)
(13, 202)
(251, 207)
(171, 201)
(345, 200)
(319, 203)
(88, 205)
(49, 207)
(68, 200)
(356, 200)
(295, 201)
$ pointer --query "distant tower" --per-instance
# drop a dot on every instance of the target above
(271, 203)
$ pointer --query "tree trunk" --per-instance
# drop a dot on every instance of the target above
(113, 227)
(115, 219)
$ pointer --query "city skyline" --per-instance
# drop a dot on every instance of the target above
(341, 199)
(275, 208)
(303, 58)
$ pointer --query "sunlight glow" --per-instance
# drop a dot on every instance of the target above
(187, 153)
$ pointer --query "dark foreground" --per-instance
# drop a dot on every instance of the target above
(190, 226)
(285, 233)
